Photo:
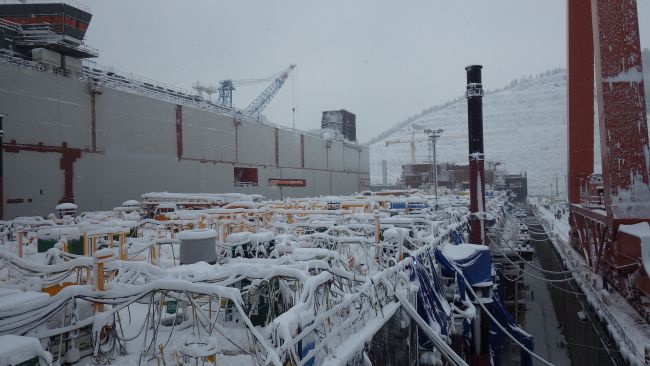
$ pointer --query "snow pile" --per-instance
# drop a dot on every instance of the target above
(15, 350)
(66, 206)
(197, 234)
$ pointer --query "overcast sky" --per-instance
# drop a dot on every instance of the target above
(383, 60)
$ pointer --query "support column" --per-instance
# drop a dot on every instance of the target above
(621, 109)
(179, 131)
(474, 94)
(580, 96)
(2, 186)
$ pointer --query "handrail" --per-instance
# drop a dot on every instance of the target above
(9, 25)
(99, 75)
(594, 299)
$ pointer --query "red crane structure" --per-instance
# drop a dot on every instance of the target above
(609, 214)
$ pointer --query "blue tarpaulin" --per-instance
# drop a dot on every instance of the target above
(473, 260)
(432, 306)
(475, 263)
(456, 238)
(498, 310)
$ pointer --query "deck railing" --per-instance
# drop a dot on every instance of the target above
(99, 76)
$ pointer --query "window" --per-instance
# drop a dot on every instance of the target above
(245, 177)
(287, 182)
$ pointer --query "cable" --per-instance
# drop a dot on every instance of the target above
(540, 278)
(565, 290)
(505, 241)
(592, 347)
(480, 303)
(443, 347)
(528, 262)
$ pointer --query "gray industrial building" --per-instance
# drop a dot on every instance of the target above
(341, 121)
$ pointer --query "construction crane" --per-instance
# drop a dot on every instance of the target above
(413, 142)
(256, 107)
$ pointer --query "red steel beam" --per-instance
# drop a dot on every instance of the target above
(302, 151)
(68, 156)
(179, 131)
(621, 109)
(277, 147)
(580, 93)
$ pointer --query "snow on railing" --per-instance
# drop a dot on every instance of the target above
(98, 76)
(376, 294)
(618, 332)
(8, 57)
(334, 306)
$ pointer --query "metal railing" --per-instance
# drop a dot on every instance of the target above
(99, 76)
(592, 295)
(45, 34)
(9, 25)
(8, 57)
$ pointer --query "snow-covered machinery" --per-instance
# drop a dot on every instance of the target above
(198, 245)
(289, 282)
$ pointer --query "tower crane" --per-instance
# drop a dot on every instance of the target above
(413, 142)
(258, 104)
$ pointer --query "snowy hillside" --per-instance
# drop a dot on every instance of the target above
(524, 129)
(524, 126)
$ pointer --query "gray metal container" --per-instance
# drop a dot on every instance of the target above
(198, 245)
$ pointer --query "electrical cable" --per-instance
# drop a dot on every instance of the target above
(544, 279)
(504, 240)
(513, 338)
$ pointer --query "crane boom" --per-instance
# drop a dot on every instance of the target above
(258, 104)
(412, 142)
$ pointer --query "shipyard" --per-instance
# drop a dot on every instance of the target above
(236, 184)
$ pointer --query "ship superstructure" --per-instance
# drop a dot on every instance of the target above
(76, 131)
